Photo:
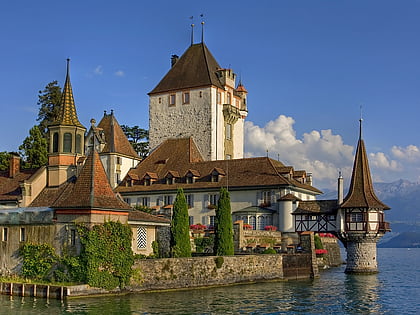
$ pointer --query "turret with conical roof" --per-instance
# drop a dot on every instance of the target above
(198, 98)
(67, 137)
(360, 217)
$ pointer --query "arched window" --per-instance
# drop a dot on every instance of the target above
(78, 144)
(67, 142)
(55, 142)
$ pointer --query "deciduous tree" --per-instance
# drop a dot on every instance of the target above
(180, 229)
(139, 139)
(223, 232)
(34, 149)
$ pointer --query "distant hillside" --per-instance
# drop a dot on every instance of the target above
(405, 239)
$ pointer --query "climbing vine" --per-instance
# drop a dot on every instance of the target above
(107, 254)
(37, 260)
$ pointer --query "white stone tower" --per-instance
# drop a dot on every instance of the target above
(197, 98)
(361, 217)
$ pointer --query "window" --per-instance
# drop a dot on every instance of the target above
(172, 99)
(228, 157)
(55, 142)
(147, 181)
(229, 98)
(168, 200)
(190, 200)
(22, 234)
(118, 158)
(5, 234)
(118, 177)
(160, 100)
(213, 199)
(201, 94)
(219, 98)
(78, 144)
(191, 220)
(143, 201)
(189, 179)
(67, 142)
(214, 177)
(356, 217)
(228, 131)
(186, 98)
(127, 200)
(266, 196)
(141, 237)
(170, 180)
(212, 220)
(72, 237)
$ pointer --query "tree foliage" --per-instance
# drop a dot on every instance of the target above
(49, 106)
(139, 139)
(4, 160)
(34, 149)
(223, 232)
(37, 260)
(180, 229)
(108, 254)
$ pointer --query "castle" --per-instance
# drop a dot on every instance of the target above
(196, 124)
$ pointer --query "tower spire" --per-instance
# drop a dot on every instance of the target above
(360, 123)
(67, 114)
(192, 30)
(202, 29)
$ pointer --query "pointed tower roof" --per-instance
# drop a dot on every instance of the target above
(196, 67)
(91, 189)
(361, 193)
(116, 141)
(67, 115)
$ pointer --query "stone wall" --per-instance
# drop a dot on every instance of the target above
(361, 253)
(333, 256)
(175, 273)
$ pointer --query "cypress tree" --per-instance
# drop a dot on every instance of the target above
(223, 241)
(180, 229)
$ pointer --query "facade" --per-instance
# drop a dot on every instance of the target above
(117, 154)
(198, 98)
(256, 185)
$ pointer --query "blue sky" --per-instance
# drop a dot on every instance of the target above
(307, 65)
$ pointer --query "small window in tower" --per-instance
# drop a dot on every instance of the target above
(186, 98)
(219, 98)
(172, 100)
(228, 131)
(55, 142)
(22, 234)
(5, 234)
(67, 142)
(201, 94)
(118, 160)
(160, 100)
(229, 98)
(78, 144)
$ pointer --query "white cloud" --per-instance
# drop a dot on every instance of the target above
(324, 153)
(119, 73)
(99, 70)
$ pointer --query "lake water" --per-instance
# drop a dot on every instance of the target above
(394, 290)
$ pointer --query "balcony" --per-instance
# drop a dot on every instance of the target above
(384, 227)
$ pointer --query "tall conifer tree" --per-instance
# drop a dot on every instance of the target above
(223, 241)
(180, 229)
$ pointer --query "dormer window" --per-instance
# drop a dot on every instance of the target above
(170, 180)
(216, 174)
(191, 176)
(171, 177)
(149, 178)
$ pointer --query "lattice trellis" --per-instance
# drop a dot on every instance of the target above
(141, 237)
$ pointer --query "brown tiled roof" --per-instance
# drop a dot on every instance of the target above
(289, 197)
(91, 189)
(361, 192)
(182, 155)
(49, 195)
(145, 217)
(116, 141)
(10, 186)
(241, 88)
(67, 115)
(316, 207)
(196, 67)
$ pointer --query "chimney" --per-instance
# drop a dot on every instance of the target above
(309, 179)
(340, 189)
(14, 164)
(174, 59)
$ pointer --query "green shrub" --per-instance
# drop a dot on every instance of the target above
(203, 243)
(318, 243)
(219, 261)
(223, 240)
(269, 251)
(37, 260)
(180, 228)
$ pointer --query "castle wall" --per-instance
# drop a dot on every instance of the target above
(361, 254)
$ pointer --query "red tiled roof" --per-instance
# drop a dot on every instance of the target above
(182, 155)
(196, 67)
(10, 186)
(116, 141)
(91, 189)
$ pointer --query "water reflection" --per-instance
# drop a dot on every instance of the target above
(362, 294)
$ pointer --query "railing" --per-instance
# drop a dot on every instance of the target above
(384, 226)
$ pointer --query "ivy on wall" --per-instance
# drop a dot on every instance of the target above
(108, 254)
(37, 260)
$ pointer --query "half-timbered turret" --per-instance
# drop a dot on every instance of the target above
(361, 216)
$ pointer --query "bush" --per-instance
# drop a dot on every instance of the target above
(223, 240)
(269, 251)
(180, 230)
